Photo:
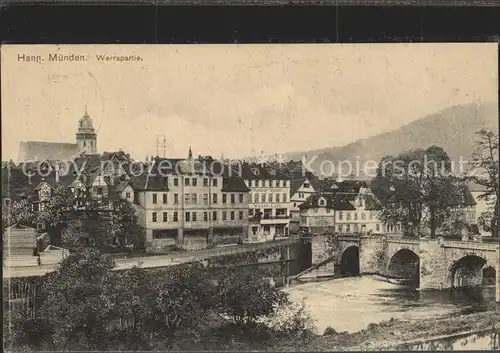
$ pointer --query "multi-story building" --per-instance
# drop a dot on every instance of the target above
(191, 202)
(317, 214)
(300, 190)
(269, 203)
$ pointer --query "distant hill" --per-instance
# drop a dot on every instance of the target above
(453, 129)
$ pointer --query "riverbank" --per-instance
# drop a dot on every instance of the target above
(394, 333)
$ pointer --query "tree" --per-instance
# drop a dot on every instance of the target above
(416, 188)
(122, 225)
(20, 212)
(485, 172)
(58, 209)
(77, 300)
(176, 299)
(245, 296)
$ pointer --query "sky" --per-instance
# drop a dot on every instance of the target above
(234, 99)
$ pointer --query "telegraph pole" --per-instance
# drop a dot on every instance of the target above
(161, 142)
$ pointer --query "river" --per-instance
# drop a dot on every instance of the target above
(351, 304)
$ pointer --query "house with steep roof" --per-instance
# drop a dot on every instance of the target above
(317, 214)
(300, 190)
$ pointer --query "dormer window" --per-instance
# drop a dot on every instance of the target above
(322, 202)
(273, 172)
(255, 171)
(306, 185)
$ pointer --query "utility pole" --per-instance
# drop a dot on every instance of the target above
(161, 142)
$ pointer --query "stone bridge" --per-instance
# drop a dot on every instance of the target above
(430, 263)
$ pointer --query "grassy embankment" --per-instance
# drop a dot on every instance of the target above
(392, 333)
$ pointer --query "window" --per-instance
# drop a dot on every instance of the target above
(224, 215)
(205, 181)
(267, 183)
(187, 199)
(176, 217)
(348, 216)
(194, 199)
(165, 217)
(260, 183)
(154, 216)
(186, 182)
(263, 197)
(205, 216)
(287, 183)
(176, 198)
(277, 197)
(275, 183)
(327, 210)
(256, 198)
(241, 198)
(240, 215)
(355, 216)
(250, 212)
(371, 215)
(205, 199)
(155, 200)
(176, 182)
(363, 216)
(306, 185)
(378, 227)
(188, 215)
(165, 198)
(224, 198)
(127, 195)
(253, 183)
(232, 215)
(340, 228)
(284, 197)
(214, 182)
(348, 228)
(195, 182)
(269, 197)
(214, 215)
(233, 198)
(194, 217)
(214, 198)
(341, 215)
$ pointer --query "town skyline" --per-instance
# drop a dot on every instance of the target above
(239, 100)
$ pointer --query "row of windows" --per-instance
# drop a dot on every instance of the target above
(194, 182)
(193, 216)
(268, 183)
(256, 198)
(192, 198)
(347, 228)
(354, 215)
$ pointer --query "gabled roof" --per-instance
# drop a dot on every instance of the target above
(295, 185)
(313, 201)
(41, 150)
(149, 182)
(234, 184)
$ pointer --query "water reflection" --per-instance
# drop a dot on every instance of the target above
(467, 300)
(478, 341)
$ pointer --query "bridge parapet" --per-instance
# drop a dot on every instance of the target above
(469, 245)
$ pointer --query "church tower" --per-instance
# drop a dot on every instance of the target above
(86, 137)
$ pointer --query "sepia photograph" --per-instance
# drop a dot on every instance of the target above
(250, 197)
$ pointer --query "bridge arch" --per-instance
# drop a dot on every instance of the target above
(405, 264)
(349, 261)
(489, 275)
(467, 271)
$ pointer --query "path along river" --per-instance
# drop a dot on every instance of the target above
(351, 304)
